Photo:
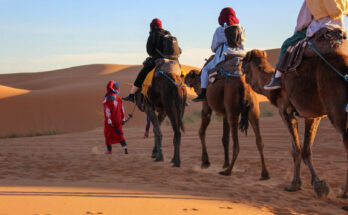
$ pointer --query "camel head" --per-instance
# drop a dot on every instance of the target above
(257, 69)
(193, 79)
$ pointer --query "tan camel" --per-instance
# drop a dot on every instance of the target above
(227, 98)
(312, 92)
(166, 97)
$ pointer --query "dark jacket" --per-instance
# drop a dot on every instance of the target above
(154, 42)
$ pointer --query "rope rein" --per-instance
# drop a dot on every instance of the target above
(170, 78)
(345, 77)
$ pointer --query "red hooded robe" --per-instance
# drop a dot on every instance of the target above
(114, 113)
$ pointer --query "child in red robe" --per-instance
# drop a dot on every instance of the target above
(114, 118)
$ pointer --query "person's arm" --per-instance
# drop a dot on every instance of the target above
(107, 113)
(304, 18)
(150, 45)
(219, 38)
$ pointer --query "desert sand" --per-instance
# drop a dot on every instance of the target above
(65, 172)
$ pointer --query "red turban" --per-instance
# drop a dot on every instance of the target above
(156, 23)
(228, 16)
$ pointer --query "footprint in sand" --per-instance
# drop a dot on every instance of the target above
(94, 213)
(96, 151)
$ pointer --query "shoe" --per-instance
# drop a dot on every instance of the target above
(107, 153)
(201, 96)
(274, 84)
(126, 151)
(129, 98)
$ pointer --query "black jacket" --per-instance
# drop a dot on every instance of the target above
(154, 42)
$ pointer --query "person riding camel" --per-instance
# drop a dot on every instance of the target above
(220, 47)
(155, 48)
(313, 16)
(114, 118)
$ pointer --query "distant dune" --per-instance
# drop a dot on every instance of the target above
(67, 100)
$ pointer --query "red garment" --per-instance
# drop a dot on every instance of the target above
(114, 111)
(228, 16)
(156, 23)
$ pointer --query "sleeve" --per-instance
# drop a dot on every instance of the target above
(218, 39)
(304, 18)
(150, 45)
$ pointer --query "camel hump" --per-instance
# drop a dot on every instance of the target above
(328, 41)
(168, 66)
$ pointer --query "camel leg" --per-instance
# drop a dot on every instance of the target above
(206, 116)
(158, 135)
(291, 122)
(311, 125)
(233, 123)
(161, 117)
(254, 116)
(226, 142)
(177, 136)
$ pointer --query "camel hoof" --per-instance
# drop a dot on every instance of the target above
(225, 173)
(264, 176)
(345, 208)
(159, 159)
(293, 188)
(176, 165)
(205, 165)
(321, 188)
(226, 165)
(153, 156)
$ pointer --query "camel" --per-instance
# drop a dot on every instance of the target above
(166, 97)
(227, 98)
(311, 92)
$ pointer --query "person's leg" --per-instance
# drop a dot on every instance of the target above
(148, 66)
(124, 146)
(276, 80)
(109, 149)
(205, 78)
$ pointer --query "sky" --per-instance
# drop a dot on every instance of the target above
(43, 35)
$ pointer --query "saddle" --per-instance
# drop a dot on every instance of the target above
(326, 41)
(162, 64)
(230, 67)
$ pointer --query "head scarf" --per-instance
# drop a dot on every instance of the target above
(111, 93)
(156, 24)
(228, 16)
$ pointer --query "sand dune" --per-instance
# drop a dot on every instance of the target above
(60, 101)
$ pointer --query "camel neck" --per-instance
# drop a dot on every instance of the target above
(264, 79)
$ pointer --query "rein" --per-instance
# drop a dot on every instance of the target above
(130, 115)
(222, 71)
(169, 78)
(345, 77)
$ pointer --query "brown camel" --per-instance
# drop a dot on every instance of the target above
(312, 92)
(166, 97)
(227, 98)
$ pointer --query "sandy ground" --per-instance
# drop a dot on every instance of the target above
(74, 163)
(66, 172)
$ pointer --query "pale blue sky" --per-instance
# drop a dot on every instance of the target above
(41, 35)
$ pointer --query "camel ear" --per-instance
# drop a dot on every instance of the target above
(248, 56)
(264, 54)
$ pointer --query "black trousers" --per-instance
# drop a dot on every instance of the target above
(123, 144)
(149, 65)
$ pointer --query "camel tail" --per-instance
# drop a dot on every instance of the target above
(244, 111)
